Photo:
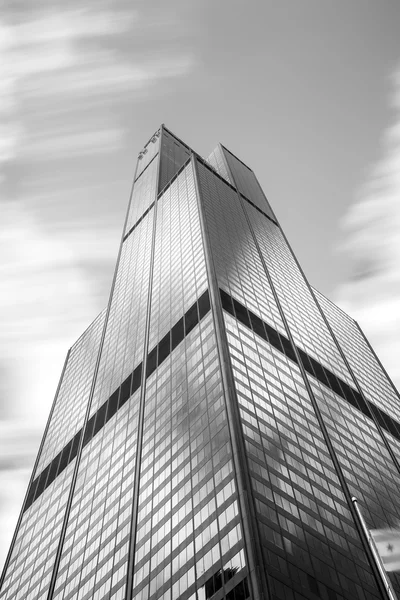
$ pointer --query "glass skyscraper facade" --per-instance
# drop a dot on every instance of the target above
(212, 424)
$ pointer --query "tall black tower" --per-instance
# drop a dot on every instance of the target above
(213, 422)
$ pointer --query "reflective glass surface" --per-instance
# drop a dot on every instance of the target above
(143, 195)
(32, 560)
(310, 542)
(174, 154)
(306, 324)
(147, 153)
(370, 375)
(73, 395)
(246, 182)
(179, 275)
(160, 482)
(238, 266)
(95, 551)
(124, 339)
(188, 528)
(216, 160)
(369, 471)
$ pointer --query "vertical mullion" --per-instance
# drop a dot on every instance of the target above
(252, 546)
(313, 400)
(135, 503)
(60, 546)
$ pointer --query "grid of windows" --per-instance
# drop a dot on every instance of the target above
(119, 397)
(143, 195)
(216, 160)
(147, 154)
(394, 443)
(369, 471)
(246, 182)
(311, 366)
(238, 267)
(29, 571)
(94, 558)
(309, 540)
(179, 275)
(173, 155)
(124, 339)
(306, 324)
(73, 395)
(372, 379)
(188, 529)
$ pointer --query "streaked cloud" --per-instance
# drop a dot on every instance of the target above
(372, 243)
(71, 144)
(89, 77)
(39, 283)
(66, 54)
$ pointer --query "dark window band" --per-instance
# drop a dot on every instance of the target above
(214, 172)
(175, 137)
(120, 396)
(171, 181)
(146, 167)
(158, 196)
(259, 210)
(237, 158)
(312, 366)
(139, 220)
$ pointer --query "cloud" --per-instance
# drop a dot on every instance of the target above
(43, 293)
(53, 40)
(71, 144)
(372, 243)
(45, 300)
(75, 57)
(109, 78)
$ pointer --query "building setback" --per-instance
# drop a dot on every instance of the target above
(212, 424)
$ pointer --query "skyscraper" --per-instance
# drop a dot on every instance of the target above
(212, 424)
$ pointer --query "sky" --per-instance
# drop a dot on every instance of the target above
(307, 93)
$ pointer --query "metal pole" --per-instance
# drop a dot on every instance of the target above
(382, 571)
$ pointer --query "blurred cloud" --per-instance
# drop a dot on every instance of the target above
(372, 243)
(74, 143)
(39, 282)
(45, 298)
(71, 71)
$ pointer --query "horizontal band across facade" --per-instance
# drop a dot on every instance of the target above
(312, 366)
(120, 396)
